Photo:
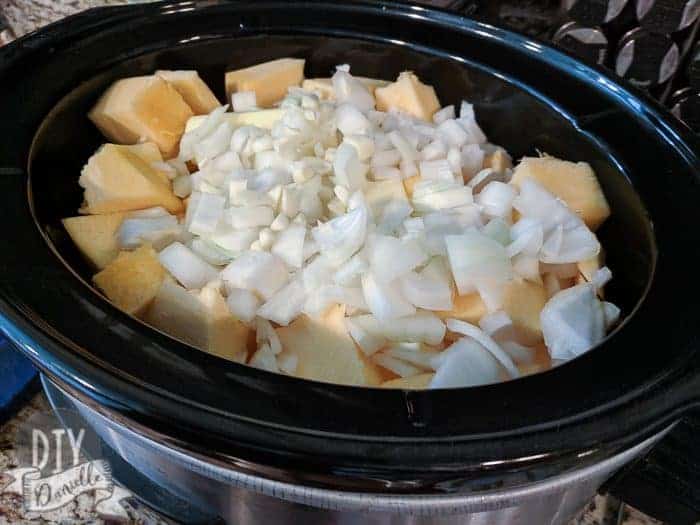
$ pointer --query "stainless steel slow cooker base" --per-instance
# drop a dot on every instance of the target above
(242, 499)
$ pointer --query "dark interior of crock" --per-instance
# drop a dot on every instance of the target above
(509, 115)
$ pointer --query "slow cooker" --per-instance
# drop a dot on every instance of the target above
(246, 446)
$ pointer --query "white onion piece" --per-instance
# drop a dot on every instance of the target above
(406, 150)
(573, 321)
(452, 133)
(434, 195)
(260, 272)
(389, 157)
(349, 273)
(467, 119)
(611, 313)
(210, 252)
(434, 150)
(553, 242)
(391, 258)
(213, 145)
(427, 293)
(446, 113)
(330, 294)
(148, 213)
(182, 186)
(519, 354)
(363, 144)
(232, 241)
(289, 245)
(280, 223)
(351, 121)
(339, 238)
(496, 199)
(422, 327)
(495, 322)
(411, 353)
(189, 269)
(193, 137)
(527, 267)
(527, 235)
(242, 304)
(436, 170)
(244, 101)
(384, 300)
(498, 230)
(578, 244)
(601, 277)
(465, 363)
(477, 259)
(264, 359)
(204, 212)
(472, 157)
(265, 333)
(285, 305)
(351, 90)
(486, 341)
(386, 172)
(398, 366)
(156, 231)
(349, 171)
(250, 216)
(364, 330)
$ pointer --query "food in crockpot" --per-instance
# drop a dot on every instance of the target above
(344, 229)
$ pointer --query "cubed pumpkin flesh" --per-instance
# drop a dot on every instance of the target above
(468, 307)
(498, 160)
(132, 280)
(269, 80)
(192, 89)
(417, 382)
(324, 86)
(573, 182)
(96, 236)
(116, 179)
(523, 301)
(142, 109)
(410, 95)
(326, 352)
(199, 318)
(540, 362)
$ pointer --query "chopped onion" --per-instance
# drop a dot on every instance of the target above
(452, 133)
(285, 305)
(264, 359)
(349, 171)
(390, 258)
(364, 330)
(349, 273)
(434, 150)
(157, 231)
(496, 199)
(288, 363)
(250, 216)
(413, 354)
(351, 121)
(351, 90)
(339, 238)
(573, 321)
(384, 299)
(204, 212)
(465, 363)
(260, 272)
(242, 303)
(390, 157)
(399, 367)
(289, 245)
(363, 144)
(436, 170)
(446, 113)
(422, 327)
(407, 151)
(486, 341)
(189, 269)
(477, 259)
(427, 293)
(244, 101)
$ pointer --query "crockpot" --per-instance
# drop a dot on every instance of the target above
(248, 446)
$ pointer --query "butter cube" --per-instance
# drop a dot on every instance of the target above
(117, 179)
(199, 318)
(410, 95)
(523, 301)
(324, 86)
(192, 89)
(326, 352)
(417, 382)
(573, 182)
(96, 236)
(269, 80)
(132, 280)
(138, 108)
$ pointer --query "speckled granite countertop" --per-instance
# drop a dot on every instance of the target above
(23, 16)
